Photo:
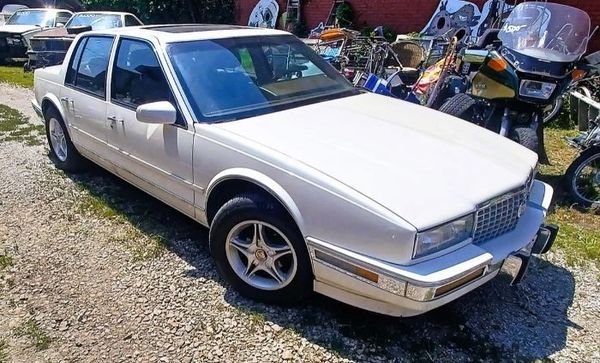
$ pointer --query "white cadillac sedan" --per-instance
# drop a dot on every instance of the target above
(306, 183)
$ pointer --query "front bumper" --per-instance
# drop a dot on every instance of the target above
(37, 108)
(412, 290)
(15, 53)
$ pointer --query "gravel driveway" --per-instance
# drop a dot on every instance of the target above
(95, 270)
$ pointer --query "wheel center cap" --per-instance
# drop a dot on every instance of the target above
(261, 255)
(597, 179)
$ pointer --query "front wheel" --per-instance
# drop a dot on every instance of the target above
(460, 105)
(583, 179)
(259, 250)
(525, 136)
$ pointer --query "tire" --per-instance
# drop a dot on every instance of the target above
(526, 137)
(590, 155)
(62, 152)
(237, 221)
(459, 105)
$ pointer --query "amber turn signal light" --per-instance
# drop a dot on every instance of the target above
(497, 64)
(578, 74)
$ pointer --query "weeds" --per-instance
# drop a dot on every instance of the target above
(6, 261)
(32, 329)
(15, 127)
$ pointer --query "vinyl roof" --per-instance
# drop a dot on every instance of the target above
(192, 28)
(188, 32)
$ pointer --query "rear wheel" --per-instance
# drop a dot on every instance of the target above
(583, 179)
(259, 250)
(62, 151)
(526, 137)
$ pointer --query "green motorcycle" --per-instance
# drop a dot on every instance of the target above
(512, 83)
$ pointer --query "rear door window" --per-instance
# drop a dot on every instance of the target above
(131, 21)
(89, 65)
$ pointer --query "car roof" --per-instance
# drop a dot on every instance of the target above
(44, 9)
(104, 12)
(169, 33)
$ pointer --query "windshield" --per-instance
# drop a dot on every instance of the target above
(226, 79)
(32, 17)
(547, 31)
(96, 21)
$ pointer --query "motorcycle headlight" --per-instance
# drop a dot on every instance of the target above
(439, 238)
(535, 89)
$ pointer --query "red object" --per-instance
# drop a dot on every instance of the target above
(402, 16)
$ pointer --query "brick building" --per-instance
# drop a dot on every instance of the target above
(402, 16)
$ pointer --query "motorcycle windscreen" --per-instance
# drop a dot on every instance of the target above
(547, 31)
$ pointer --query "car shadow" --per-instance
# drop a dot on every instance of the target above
(493, 323)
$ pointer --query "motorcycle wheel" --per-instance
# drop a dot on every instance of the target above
(526, 137)
(583, 179)
(459, 105)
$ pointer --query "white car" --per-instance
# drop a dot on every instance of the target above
(306, 183)
(24, 24)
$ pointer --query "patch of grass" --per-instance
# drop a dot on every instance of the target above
(579, 236)
(3, 351)
(6, 261)
(16, 76)
(143, 247)
(15, 127)
(98, 206)
(32, 329)
(255, 317)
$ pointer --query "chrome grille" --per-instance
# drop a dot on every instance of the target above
(500, 215)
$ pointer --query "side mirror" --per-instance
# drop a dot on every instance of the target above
(60, 25)
(157, 113)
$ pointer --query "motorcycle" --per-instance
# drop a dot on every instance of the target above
(582, 179)
(508, 83)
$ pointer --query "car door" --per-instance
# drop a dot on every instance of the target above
(84, 96)
(157, 158)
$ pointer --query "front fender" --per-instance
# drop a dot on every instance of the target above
(263, 181)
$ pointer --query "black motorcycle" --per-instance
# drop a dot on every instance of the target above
(582, 179)
(516, 77)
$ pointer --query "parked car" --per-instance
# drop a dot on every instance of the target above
(22, 25)
(8, 10)
(305, 182)
(49, 47)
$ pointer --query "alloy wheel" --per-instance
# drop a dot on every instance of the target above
(58, 139)
(261, 255)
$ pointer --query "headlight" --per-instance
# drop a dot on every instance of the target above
(535, 89)
(439, 238)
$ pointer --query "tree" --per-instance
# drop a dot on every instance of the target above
(173, 11)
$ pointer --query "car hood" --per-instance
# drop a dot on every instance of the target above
(425, 166)
(18, 29)
(55, 33)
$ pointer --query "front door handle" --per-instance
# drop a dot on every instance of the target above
(115, 119)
